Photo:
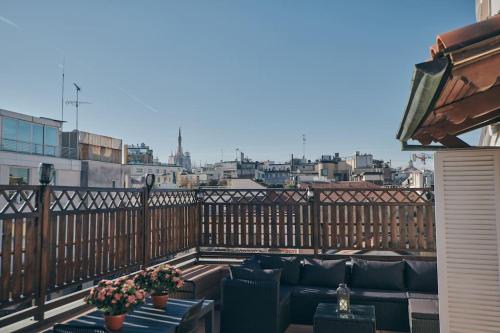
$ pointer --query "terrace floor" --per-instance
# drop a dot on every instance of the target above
(291, 329)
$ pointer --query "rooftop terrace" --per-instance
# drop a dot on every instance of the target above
(57, 240)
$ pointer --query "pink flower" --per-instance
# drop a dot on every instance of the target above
(118, 296)
(131, 299)
(139, 295)
(100, 298)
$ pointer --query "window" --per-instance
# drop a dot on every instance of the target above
(50, 141)
(19, 176)
(9, 134)
(37, 139)
(27, 137)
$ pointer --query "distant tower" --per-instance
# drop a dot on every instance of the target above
(303, 146)
(180, 158)
(179, 143)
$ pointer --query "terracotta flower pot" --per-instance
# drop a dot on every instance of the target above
(114, 323)
(159, 301)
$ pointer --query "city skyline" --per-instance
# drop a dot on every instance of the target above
(232, 76)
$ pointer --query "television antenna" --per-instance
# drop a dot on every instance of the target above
(422, 157)
(77, 102)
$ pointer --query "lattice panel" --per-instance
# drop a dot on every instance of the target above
(84, 199)
(171, 198)
(18, 199)
(255, 196)
(383, 196)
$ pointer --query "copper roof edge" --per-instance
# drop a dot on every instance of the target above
(462, 37)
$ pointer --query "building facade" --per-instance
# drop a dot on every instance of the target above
(137, 154)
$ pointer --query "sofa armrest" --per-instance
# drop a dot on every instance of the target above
(249, 306)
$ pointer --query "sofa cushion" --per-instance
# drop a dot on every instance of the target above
(421, 276)
(289, 265)
(391, 307)
(245, 273)
(285, 292)
(251, 262)
(378, 295)
(382, 275)
(305, 300)
(427, 309)
(323, 273)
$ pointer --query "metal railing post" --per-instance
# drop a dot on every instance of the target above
(146, 230)
(199, 205)
(43, 238)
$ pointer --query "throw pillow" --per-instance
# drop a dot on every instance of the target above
(323, 273)
(382, 275)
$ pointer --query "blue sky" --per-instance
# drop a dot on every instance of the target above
(253, 75)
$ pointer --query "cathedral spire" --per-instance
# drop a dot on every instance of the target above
(179, 141)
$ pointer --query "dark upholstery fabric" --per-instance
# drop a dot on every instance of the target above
(289, 265)
(251, 262)
(285, 291)
(372, 274)
(284, 311)
(305, 300)
(250, 306)
(378, 295)
(421, 276)
(323, 273)
(391, 307)
(257, 274)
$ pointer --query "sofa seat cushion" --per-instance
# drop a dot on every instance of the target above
(238, 272)
(427, 309)
(411, 294)
(378, 295)
(382, 275)
(305, 300)
(323, 273)
(421, 276)
(391, 307)
(285, 292)
(290, 266)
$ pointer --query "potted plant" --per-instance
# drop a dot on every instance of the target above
(159, 281)
(115, 298)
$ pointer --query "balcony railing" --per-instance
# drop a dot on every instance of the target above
(56, 238)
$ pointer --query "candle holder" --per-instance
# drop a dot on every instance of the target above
(343, 299)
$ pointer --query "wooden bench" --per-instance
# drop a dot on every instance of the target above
(203, 281)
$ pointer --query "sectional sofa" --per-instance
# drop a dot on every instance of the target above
(267, 293)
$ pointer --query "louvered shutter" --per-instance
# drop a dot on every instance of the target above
(467, 187)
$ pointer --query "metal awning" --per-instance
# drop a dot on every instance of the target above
(458, 90)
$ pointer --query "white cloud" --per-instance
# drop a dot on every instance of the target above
(9, 22)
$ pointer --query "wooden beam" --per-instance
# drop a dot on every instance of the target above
(451, 141)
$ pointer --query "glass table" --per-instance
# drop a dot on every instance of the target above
(328, 319)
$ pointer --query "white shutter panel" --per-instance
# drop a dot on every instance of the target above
(467, 187)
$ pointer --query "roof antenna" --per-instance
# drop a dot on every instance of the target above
(77, 102)
(62, 94)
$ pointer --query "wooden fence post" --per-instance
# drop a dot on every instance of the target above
(43, 244)
(199, 205)
(314, 202)
(145, 227)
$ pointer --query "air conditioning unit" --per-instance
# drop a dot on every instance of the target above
(467, 192)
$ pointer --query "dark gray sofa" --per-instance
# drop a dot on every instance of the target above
(292, 297)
